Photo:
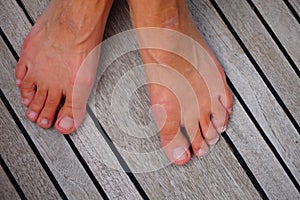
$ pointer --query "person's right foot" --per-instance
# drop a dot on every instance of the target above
(188, 89)
(52, 64)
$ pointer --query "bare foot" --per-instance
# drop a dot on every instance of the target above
(188, 89)
(52, 64)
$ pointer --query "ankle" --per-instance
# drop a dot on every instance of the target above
(166, 13)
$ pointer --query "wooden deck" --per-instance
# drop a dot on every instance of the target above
(258, 44)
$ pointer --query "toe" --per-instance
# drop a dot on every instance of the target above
(219, 117)
(209, 132)
(36, 104)
(199, 146)
(71, 114)
(47, 115)
(226, 100)
(21, 70)
(174, 143)
(28, 91)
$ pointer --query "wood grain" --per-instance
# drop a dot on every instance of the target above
(218, 175)
(257, 97)
(230, 186)
(284, 25)
(7, 190)
(296, 5)
(21, 160)
(266, 53)
(52, 146)
(112, 179)
(234, 59)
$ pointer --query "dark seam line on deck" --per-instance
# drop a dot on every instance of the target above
(21, 5)
(73, 147)
(12, 178)
(86, 168)
(244, 105)
(244, 165)
(256, 66)
(23, 130)
(122, 162)
(293, 11)
(262, 133)
(8, 44)
(32, 145)
(275, 38)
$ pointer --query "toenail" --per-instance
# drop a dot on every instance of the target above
(213, 141)
(18, 82)
(66, 123)
(204, 150)
(25, 101)
(44, 122)
(222, 129)
(32, 115)
(179, 154)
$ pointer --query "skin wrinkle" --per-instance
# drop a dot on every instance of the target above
(60, 51)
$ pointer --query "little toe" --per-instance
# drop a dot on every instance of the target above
(226, 100)
(21, 70)
(28, 91)
(219, 117)
(47, 115)
(209, 132)
(37, 104)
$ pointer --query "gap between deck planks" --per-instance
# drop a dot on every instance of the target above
(179, 193)
(296, 5)
(7, 190)
(284, 80)
(283, 24)
(116, 183)
(21, 160)
(110, 77)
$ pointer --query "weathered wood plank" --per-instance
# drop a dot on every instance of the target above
(21, 160)
(53, 147)
(178, 184)
(225, 43)
(284, 25)
(103, 163)
(265, 51)
(181, 181)
(258, 98)
(237, 66)
(115, 183)
(143, 154)
(7, 190)
(296, 5)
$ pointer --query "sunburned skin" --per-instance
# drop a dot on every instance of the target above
(186, 83)
(191, 94)
(51, 56)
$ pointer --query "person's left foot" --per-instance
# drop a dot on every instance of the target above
(188, 89)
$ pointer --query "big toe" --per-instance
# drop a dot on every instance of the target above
(174, 143)
(71, 114)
